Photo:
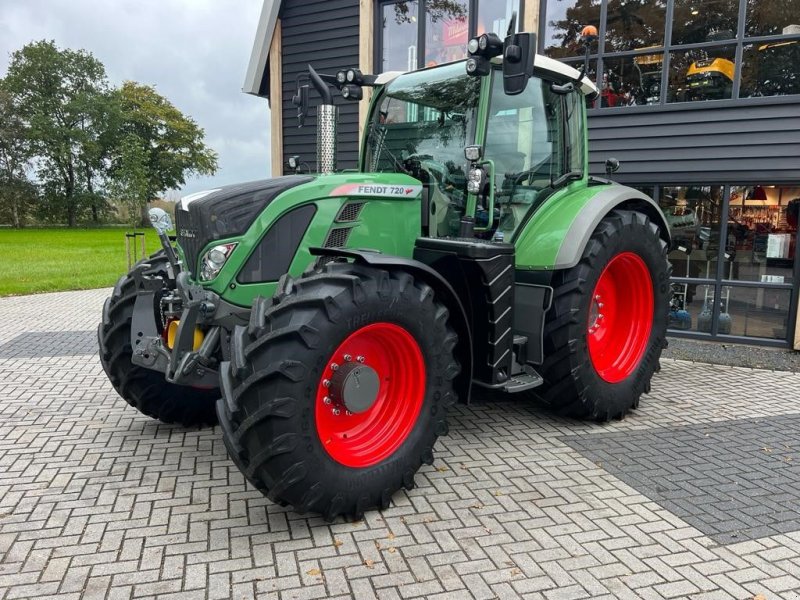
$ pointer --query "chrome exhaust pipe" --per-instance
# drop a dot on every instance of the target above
(327, 118)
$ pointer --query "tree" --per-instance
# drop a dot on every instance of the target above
(131, 178)
(169, 144)
(59, 95)
(16, 192)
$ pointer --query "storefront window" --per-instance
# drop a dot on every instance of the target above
(631, 24)
(762, 226)
(495, 16)
(399, 38)
(701, 74)
(697, 21)
(693, 214)
(754, 312)
(770, 69)
(563, 23)
(446, 31)
(772, 17)
(632, 80)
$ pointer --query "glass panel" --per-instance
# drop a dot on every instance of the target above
(690, 307)
(563, 23)
(755, 312)
(693, 214)
(495, 15)
(696, 21)
(421, 126)
(762, 227)
(525, 139)
(701, 74)
(446, 31)
(399, 36)
(770, 69)
(631, 81)
(634, 25)
(772, 17)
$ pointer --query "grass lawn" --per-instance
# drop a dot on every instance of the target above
(51, 260)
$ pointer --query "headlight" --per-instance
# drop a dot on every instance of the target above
(213, 261)
(472, 46)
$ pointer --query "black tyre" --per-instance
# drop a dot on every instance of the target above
(144, 389)
(607, 326)
(338, 389)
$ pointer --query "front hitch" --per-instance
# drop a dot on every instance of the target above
(182, 364)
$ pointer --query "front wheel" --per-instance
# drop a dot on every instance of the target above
(607, 326)
(144, 389)
(339, 388)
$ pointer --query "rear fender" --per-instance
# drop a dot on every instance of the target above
(556, 235)
(443, 290)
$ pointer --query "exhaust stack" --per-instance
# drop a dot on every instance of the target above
(327, 120)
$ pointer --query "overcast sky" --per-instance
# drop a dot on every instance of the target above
(195, 52)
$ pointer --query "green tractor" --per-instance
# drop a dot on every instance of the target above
(330, 320)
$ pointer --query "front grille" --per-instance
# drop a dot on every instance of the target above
(349, 212)
(188, 238)
(337, 238)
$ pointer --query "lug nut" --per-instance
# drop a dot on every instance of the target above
(347, 358)
(600, 316)
(336, 412)
(326, 382)
(326, 400)
(597, 297)
(600, 305)
(334, 367)
(360, 359)
(348, 413)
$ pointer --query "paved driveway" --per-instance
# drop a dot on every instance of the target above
(696, 495)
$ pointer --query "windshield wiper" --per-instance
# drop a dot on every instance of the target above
(566, 178)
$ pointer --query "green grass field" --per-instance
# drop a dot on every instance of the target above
(51, 260)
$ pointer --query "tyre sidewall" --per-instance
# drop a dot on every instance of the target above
(641, 240)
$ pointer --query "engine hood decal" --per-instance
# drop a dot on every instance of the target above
(380, 190)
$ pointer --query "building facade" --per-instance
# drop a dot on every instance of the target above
(700, 102)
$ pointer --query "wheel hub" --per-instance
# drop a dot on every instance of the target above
(355, 386)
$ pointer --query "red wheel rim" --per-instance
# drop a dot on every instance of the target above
(366, 438)
(620, 317)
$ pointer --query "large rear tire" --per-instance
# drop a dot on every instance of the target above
(144, 389)
(607, 326)
(338, 389)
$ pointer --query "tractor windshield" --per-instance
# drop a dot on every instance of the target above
(421, 125)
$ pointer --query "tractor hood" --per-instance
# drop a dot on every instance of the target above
(225, 212)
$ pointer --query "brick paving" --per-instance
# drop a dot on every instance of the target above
(98, 501)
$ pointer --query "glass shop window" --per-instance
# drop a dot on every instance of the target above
(770, 69)
(772, 17)
(446, 31)
(495, 16)
(694, 215)
(701, 74)
(631, 25)
(399, 36)
(563, 23)
(698, 21)
(762, 233)
(631, 81)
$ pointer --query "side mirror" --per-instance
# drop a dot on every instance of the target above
(519, 53)
(300, 100)
(160, 220)
(612, 166)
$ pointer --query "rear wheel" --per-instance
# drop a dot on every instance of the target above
(146, 389)
(607, 327)
(338, 389)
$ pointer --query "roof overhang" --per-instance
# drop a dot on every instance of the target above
(256, 80)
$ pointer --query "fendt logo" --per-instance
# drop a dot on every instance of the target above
(187, 233)
(372, 189)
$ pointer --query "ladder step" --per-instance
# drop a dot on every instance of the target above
(522, 382)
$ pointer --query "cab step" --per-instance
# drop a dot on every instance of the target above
(522, 382)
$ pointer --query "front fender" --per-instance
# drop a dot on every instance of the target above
(458, 316)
